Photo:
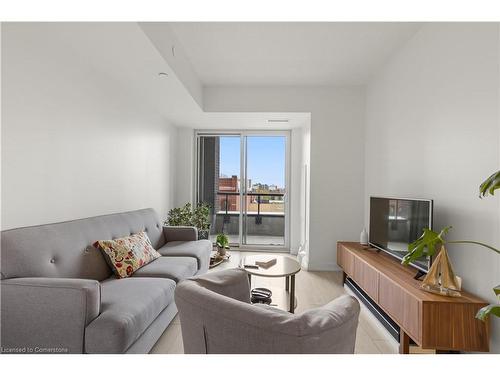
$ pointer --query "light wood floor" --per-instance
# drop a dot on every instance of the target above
(313, 289)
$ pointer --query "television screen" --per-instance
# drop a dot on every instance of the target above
(395, 223)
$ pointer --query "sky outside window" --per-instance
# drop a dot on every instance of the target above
(229, 154)
(266, 159)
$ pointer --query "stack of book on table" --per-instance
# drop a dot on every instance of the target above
(266, 262)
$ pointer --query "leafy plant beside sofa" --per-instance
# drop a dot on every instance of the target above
(198, 216)
(179, 216)
(427, 243)
(201, 219)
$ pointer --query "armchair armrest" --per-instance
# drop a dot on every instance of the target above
(232, 283)
(331, 316)
(180, 233)
(47, 315)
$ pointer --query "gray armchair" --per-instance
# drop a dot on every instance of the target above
(217, 317)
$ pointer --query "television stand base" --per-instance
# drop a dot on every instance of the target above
(389, 324)
(419, 275)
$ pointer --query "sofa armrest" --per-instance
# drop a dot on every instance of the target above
(47, 315)
(180, 233)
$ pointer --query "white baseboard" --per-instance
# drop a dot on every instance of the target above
(323, 267)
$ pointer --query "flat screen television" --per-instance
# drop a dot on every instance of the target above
(397, 222)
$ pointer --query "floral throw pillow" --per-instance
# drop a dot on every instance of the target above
(127, 254)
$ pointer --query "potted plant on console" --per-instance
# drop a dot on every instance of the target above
(441, 278)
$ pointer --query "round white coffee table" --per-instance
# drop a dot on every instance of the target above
(284, 267)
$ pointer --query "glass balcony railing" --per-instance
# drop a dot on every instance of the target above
(257, 204)
(263, 217)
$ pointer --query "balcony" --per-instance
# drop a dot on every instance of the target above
(263, 223)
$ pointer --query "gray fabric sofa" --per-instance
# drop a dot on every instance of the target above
(217, 318)
(58, 295)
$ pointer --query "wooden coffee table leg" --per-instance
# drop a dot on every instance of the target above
(292, 294)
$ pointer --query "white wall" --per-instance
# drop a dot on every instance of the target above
(296, 189)
(336, 155)
(75, 141)
(432, 131)
(305, 196)
(184, 175)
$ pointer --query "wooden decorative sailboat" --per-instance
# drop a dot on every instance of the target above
(441, 279)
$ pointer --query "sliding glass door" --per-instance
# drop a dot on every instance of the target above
(264, 194)
(243, 177)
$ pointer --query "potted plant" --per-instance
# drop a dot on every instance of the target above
(222, 243)
(201, 220)
(179, 216)
(198, 217)
(427, 243)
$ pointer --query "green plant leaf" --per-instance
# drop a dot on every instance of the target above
(201, 216)
(180, 216)
(497, 290)
(188, 215)
(493, 309)
(425, 245)
(489, 186)
(222, 240)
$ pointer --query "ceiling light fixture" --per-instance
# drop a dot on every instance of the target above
(278, 120)
(163, 74)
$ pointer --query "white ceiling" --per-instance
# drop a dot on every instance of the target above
(132, 65)
(289, 53)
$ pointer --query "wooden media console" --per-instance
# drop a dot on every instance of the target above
(432, 321)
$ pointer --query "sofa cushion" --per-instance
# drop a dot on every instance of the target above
(127, 254)
(197, 249)
(128, 307)
(175, 268)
